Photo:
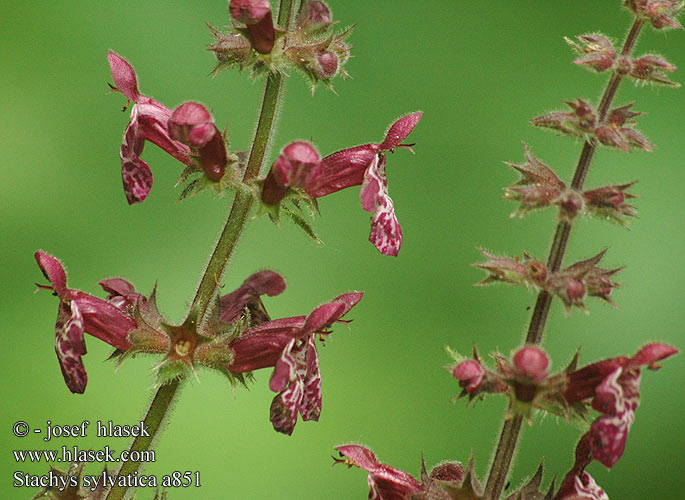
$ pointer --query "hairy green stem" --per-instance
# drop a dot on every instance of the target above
(218, 261)
(158, 410)
(512, 427)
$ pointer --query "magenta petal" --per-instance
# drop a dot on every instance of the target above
(385, 482)
(386, 233)
(53, 270)
(389, 483)
(136, 177)
(153, 123)
(283, 413)
(585, 488)
(322, 317)
(256, 351)
(122, 294)
(135, 174)
(399, 130)
(70, 346)
(470, 375)
(124, 76)
(617, 397)
(374, 186)
(104, 320)
(349, 299)
(360, 456)
(264, 282)
(281, 326)
(286, 368)
(651, 353)
(343, 169)
(311, 400)
(297, 166)
(302, 152)
(249, 11)
(191, 124)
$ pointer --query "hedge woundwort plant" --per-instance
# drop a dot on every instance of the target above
(234, 334)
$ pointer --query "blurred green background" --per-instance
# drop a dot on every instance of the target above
(479, 71)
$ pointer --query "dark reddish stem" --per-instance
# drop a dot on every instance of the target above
(512, 427)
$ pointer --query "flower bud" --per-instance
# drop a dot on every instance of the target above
(533, 363)
(249, 11)
(315, 18)
(575, 291)
(623, 65)
(229, 49)
(326, 64)
(470, 375)
(298, 166)
(193, 125)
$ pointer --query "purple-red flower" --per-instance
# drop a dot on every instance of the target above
(149, 122)
(109, 320)
(387, 483)
(299, 167)
(476, 379)
(365, 165)
(614, 387)
(287, 344)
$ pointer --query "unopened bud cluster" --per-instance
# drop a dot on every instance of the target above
(598, 53)
(539, 187)
(616, 130)
(572, 285)
(257, 45)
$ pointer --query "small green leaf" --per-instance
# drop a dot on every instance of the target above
(302, 224)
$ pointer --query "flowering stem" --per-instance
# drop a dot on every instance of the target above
(233, 228)
(512, 427)
(242, 203)
(153, 421)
